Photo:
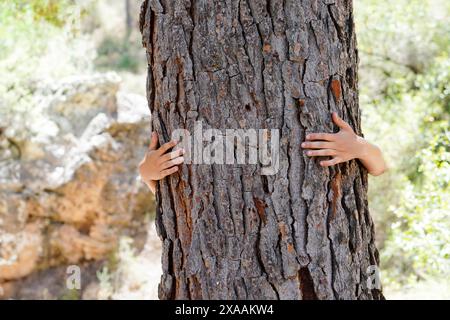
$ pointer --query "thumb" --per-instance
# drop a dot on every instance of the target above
(154, 141)
(339, 122)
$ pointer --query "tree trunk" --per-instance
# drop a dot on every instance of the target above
(228, 231)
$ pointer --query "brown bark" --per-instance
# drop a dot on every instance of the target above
(228, 232)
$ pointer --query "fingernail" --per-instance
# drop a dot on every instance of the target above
(303, 145)
(309, 153)
(308, 137)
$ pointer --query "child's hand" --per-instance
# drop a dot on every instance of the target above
(344, 146)
(159, 164)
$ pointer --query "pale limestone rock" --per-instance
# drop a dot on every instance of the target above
(69, 188)
(20, 252)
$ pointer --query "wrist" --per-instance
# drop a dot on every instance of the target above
(362, 148)
(152, 186)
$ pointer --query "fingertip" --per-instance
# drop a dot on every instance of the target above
(335, 117)
(153, 141)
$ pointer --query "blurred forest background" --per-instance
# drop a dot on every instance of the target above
(61, 56)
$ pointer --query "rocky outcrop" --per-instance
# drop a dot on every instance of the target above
(69, 189)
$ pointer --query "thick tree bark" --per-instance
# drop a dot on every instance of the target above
(227, 231)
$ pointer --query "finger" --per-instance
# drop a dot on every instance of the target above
(174, 162)
(320, 136)
(339, 122)
(167, 146)
(172, 155)
(317, 145)
(168, 172)
(329, 163)
(321, 153)
(153, 142)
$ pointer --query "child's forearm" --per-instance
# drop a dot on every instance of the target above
(372, 158)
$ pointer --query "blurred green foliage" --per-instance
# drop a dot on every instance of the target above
(40, 43)
(405, 97)
(117, 54)
(404, 50)
(22, 40)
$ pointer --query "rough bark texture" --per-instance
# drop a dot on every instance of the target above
(228, 232)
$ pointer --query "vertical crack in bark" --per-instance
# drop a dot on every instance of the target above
(335, 184)
(359, 203)
(336, 24)
(263, 64)
(179, 81)
(161, 230)
(215, 203)
(266, 274)
(306, 284)
(330, 80)
(329, 221)
(269, 13)
(142, 14)
(352, 225)
(303, 78)
(261, 208)
(303, 173)
(192, 14)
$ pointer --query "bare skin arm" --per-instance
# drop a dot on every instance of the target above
(345, 146)
(159, 163)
